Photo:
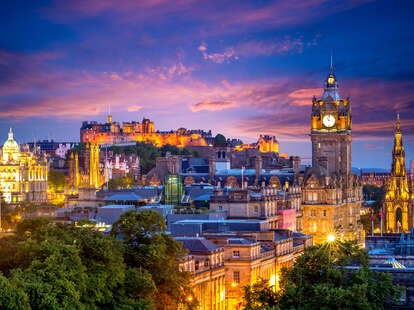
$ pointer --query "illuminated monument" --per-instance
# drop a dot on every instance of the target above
(397, 204)
(331, 194)
(84, 170)
(113, 133)
(23, 175)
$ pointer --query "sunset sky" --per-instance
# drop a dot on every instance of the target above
(240, 68)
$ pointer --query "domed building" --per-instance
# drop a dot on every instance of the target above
(23, 175)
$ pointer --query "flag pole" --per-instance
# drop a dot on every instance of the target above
(381, 220)
(372, 222)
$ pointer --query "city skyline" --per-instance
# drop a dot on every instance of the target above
(241, 70)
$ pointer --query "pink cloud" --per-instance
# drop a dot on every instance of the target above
(303, 97)
(212, 105)
(134, 108)
(226, 56)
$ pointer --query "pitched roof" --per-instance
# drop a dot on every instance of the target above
(197, 244)
(124, 197)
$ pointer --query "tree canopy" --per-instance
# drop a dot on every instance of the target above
(220, 140)
(47, 265)
(320, 280)
(148, 250)
(56, 180)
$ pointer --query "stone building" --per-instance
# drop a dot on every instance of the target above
(398, 204)
(206, 262)
(251, 251)
(23, 174)
(331, 194)
(113, 133)
(84, 168)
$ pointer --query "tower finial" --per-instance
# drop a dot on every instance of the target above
(398, 121)
(331, 67)
(11, 134)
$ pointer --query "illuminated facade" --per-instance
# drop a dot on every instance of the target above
(23, 175)
(331, 194)
(113, 133)
(398, 202)
(265, 144)
(84, 169)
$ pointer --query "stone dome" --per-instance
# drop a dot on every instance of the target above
(10, 147)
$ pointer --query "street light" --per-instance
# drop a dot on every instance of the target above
(331, 238)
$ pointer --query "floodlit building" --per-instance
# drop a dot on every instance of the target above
(331, 193)
(23, 174)
(398, 198)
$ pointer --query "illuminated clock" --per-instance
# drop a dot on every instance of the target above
(328, 120)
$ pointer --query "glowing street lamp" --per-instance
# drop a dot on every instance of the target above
(331, 238)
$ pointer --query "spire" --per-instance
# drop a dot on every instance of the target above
(11, 134)
(398, 122)
(331, 67)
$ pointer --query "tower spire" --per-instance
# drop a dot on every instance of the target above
(331, 67)
(398, 122)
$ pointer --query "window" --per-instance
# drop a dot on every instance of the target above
(323, 212)
(256, 209)
(236, 254)
(206, 263)
(236, 277)
(220, 208)
(313, 213)
(196, 265)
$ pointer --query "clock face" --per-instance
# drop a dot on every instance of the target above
(328, 120)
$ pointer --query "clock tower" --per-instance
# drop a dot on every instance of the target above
(331, 130)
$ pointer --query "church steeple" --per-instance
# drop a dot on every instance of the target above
(398, 145)
(331, 85)
(397, 192)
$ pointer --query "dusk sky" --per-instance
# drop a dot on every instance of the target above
(240, 68)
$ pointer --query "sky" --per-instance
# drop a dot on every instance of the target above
(240, 68)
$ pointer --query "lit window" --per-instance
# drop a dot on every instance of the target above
(236, 277)
(313, 213)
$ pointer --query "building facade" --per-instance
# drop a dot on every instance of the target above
(113, 133)
(23, 174)
(331, 194)
(398, 205)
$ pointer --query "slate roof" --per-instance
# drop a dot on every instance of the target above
(197, 244)
(239, 241)
(124, 197)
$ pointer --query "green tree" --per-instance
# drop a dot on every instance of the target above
(61, 266)
(220, 140)
(11, 296)
(56, 180)
(320, 280)
(147, 247)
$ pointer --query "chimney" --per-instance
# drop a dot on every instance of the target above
(295, 163)
(211, 168)
(258, 167)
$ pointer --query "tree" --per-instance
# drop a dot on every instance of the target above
(148, 248)
(61, 266)
(11, 296)
(319, 279)
(56, 180)
(220, 140)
